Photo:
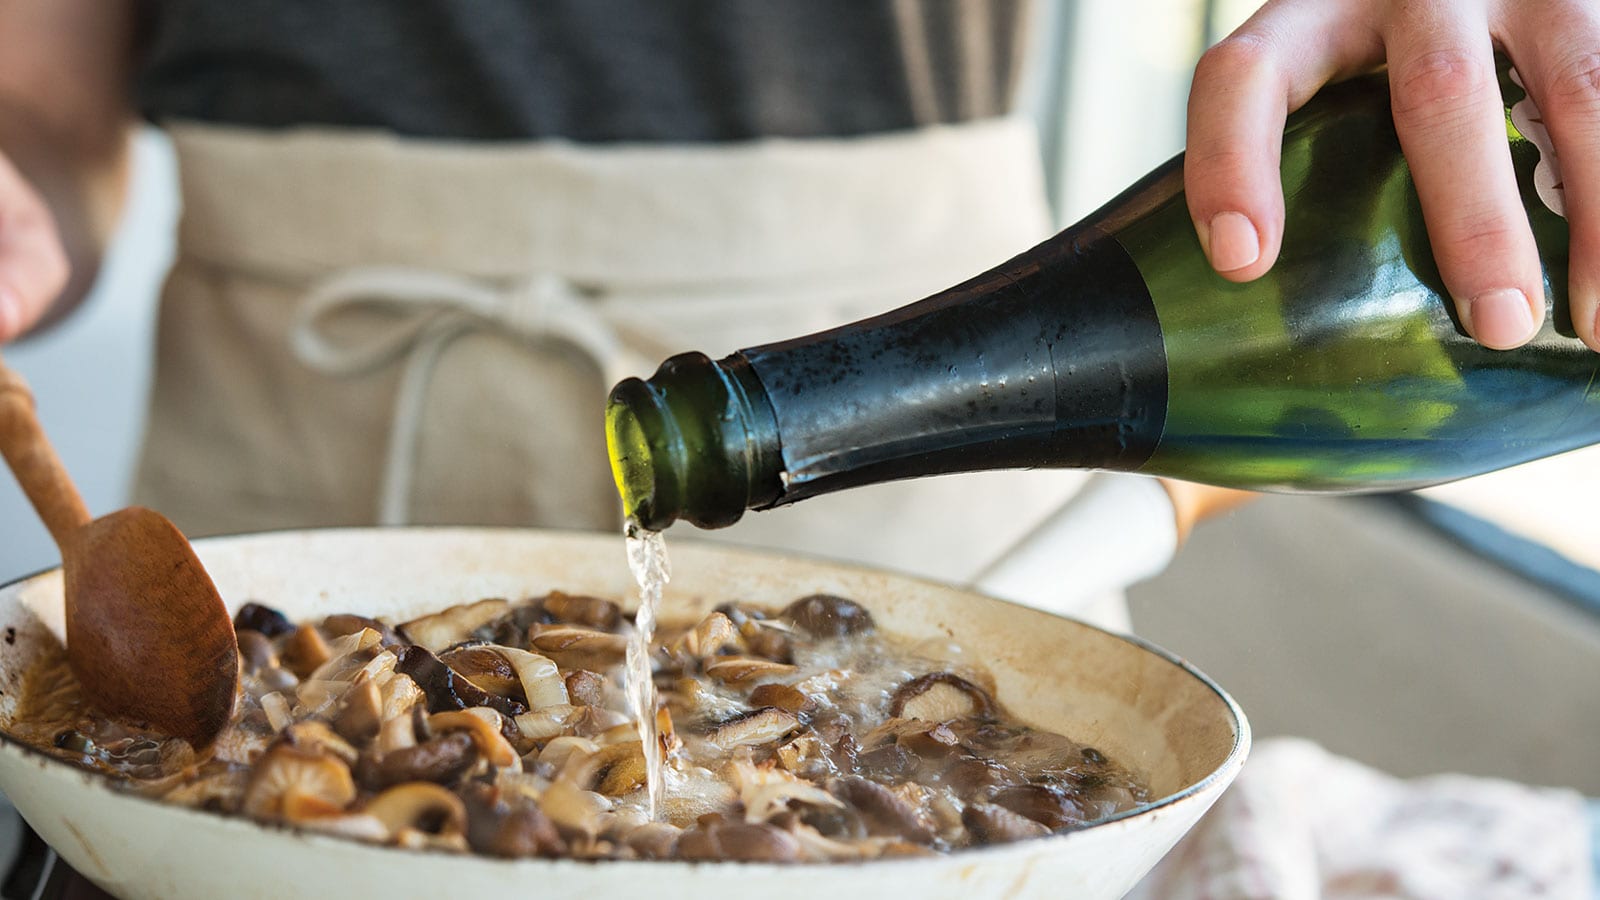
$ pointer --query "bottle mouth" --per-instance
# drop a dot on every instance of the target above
(648, 476)
(689, 443)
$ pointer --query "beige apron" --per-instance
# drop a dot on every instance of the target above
(361, 328)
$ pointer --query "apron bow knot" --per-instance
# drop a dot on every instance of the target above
(427, 311)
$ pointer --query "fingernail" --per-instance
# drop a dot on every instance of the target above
(1234, 242)
(1502, 319)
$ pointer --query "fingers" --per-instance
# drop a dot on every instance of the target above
(1557, 55)
(1243, 89)
(33, 265)
(1451, 123)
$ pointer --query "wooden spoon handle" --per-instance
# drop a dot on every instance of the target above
(35, 463)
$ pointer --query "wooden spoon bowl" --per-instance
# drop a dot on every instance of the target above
(148, 636)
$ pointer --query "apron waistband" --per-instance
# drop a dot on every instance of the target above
(628, 217)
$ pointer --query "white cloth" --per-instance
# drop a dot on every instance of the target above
(1303, 824)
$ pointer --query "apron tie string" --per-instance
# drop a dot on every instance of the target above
(429, 311)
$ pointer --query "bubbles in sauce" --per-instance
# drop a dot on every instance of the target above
(795, 734)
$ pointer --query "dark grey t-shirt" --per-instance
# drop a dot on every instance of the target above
(588, 70)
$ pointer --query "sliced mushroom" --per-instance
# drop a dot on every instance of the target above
(708, 637)
(783, 697)
(360, 714)
(575, 811)
(420, 813)
(940, 697)
(973, 776)
(621, 769)
(738, 841)
(446, 690)
(930, 740)
(827, 616)
(883, 812)
(756, 727)
(580, 609)
(586, 688)
(1049, 806)
(767, 639)
(452, 626)
(508, 824)
(441, 759)
(890, 761)
(486, 667)
(317, 737)
(766, 791)
(745, 669)
(346, 623)
(291, 784)
(574, 639)
(655, 840)
(802, 755)
(304, 651)
(992, 824)
(484, 730)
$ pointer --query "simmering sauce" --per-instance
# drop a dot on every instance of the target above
(513, 729)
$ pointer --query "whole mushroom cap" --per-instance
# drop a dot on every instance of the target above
(293, 784)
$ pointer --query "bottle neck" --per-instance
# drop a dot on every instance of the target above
(696, 441)
(1052, 359)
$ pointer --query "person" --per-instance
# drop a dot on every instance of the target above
(417, 244)
(419, 240)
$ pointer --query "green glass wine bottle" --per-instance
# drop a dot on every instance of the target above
(1113, 345)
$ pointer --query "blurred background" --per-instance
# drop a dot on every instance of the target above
(1456, 631)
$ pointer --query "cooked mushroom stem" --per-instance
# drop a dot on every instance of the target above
(304, 651)
(360, 714)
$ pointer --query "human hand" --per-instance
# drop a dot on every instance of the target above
(33, 264)
(1451, 123)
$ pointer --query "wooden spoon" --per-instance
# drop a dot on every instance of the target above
(147, 634)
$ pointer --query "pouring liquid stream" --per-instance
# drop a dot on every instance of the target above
(647, 559)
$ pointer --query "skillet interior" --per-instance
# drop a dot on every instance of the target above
(1149, 711)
